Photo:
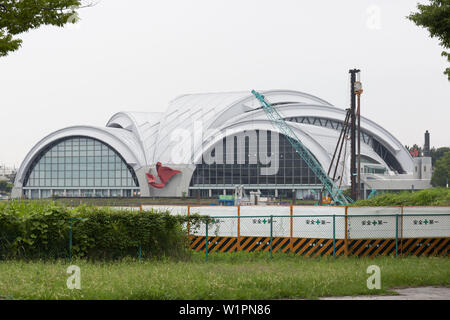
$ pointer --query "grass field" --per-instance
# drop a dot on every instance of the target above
(224, 276)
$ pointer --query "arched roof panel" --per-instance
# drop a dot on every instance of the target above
(145, 127)
(121, 140)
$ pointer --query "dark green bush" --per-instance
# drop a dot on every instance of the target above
(41, 230)
(33, 230)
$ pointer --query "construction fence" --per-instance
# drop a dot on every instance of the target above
(321, 231)
(310, 231)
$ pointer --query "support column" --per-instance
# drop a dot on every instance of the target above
(239, 228)
(401, 232)
(189, 222)
(292, 229)
(353, 172)
(346, 234)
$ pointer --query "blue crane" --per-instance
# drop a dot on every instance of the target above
(334, 192)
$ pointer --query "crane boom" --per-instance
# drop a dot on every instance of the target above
(335, 193)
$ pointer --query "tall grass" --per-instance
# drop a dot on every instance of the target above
(225, 276)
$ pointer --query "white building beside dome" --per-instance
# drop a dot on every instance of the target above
(113, 160)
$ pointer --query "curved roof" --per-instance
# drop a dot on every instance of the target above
(144, 125)
(123, 141)
(198, 117)
(193, 122)
(329, 112)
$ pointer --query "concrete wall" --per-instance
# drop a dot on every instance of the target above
(422, 168)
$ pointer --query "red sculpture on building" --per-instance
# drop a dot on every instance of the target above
(164, 174)
(414, 152)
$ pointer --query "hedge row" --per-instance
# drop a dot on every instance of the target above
(41, 230)
(427, 197)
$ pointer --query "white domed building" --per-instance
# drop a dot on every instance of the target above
(216, 141)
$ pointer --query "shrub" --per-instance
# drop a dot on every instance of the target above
(41, 230)
(427, 197)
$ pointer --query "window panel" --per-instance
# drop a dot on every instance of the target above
(291, 170)
(79, 162)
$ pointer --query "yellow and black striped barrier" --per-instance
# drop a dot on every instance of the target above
(314, 247)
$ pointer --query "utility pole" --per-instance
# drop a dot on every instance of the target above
(358, 91)
(353, 172)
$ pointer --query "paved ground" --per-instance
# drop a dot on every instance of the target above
(422, 293)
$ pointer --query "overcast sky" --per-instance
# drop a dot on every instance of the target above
(138, 55)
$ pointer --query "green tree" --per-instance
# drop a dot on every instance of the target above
(435, 17)
(436, 154)
(441, 171)
(11, 177)
(19, 16)
(5, 186)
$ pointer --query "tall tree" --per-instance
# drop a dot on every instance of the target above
(441, 171)
(436, 154)
(435, 17)
(5, 186)
(19, 16)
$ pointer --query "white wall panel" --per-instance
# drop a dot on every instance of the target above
(317, 221)
(418, 226)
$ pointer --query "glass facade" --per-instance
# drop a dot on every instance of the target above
(366, 138)
(328, 123)
(292, 170)
(79, 166)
